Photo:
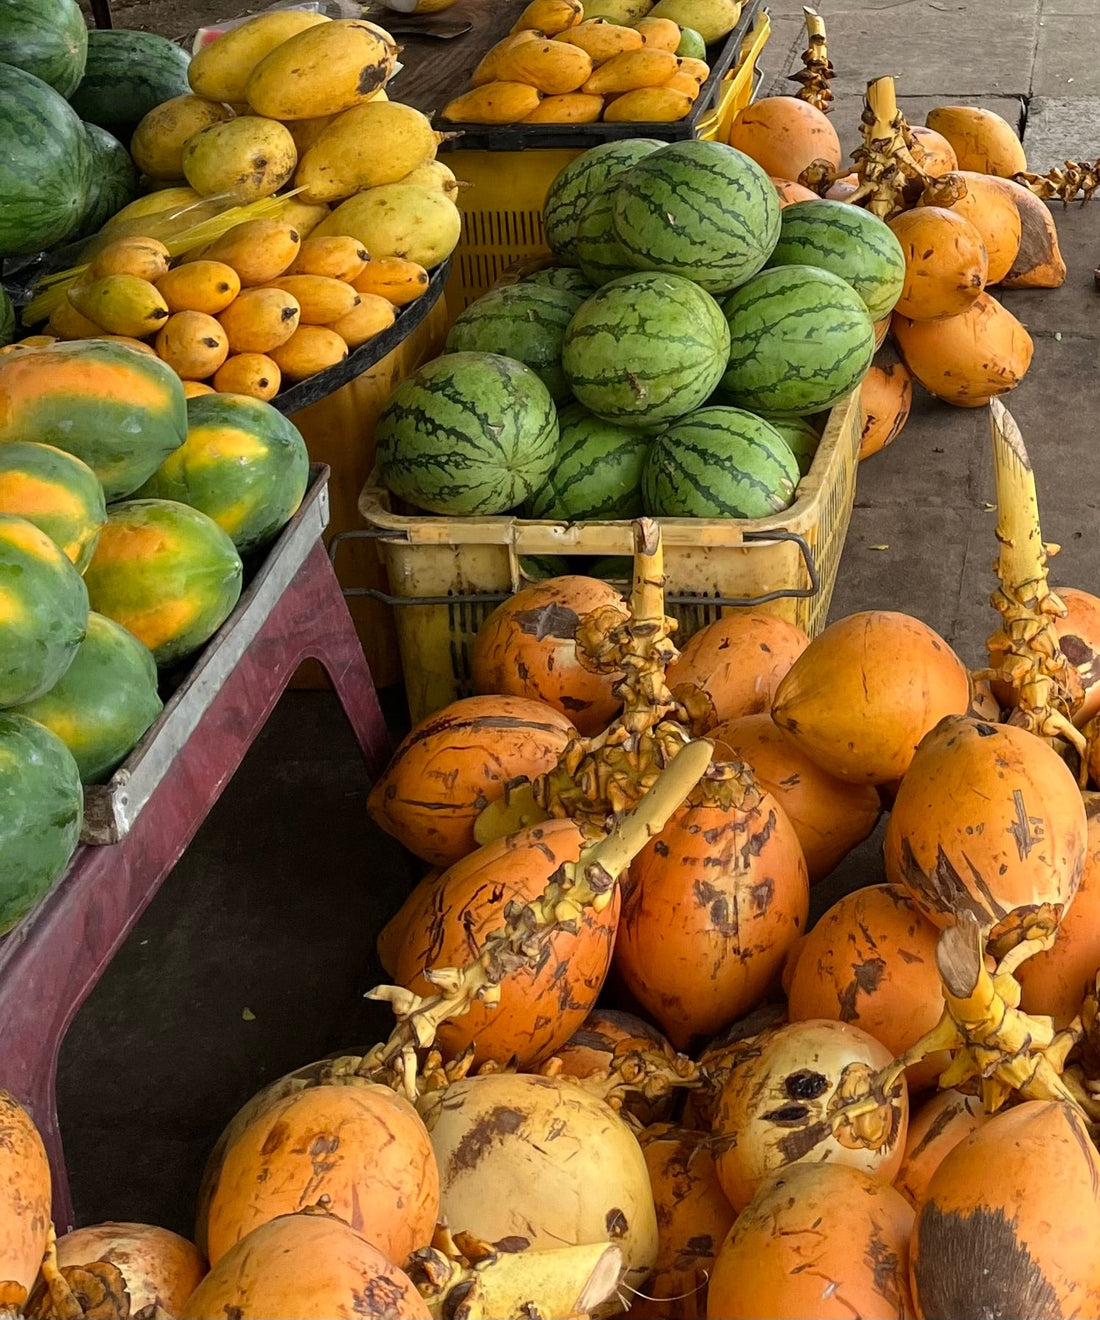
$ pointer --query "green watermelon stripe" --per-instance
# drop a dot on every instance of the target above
(706, 460)
(709, 208)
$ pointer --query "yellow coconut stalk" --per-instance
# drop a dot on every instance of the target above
(1073, 179)
(817, 69)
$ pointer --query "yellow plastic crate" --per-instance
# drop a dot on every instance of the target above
(446, 575)
(502, 207)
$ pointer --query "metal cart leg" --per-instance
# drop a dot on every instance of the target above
(101, 13)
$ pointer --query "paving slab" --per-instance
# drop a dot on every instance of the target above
(1061, 128)
(1065, 57)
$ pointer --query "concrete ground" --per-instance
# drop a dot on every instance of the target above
(253, 958)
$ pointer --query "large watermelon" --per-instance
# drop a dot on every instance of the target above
(719, 463)
(850, 242)
(467, 433)
(167, 573)
(48, 38)
(57, 492)
(802, 439)
(126, 75)
(120, 410)
(45, 165)
(646, 349)
(800, 338)
(600, 255)
(41, 807)
(104, 702)
(7, 318)
(114, 181)
(574, 186)
(698, 209)
(568, 278)
(520, 321)
(597, 470)
(43, 611)
(243, 464)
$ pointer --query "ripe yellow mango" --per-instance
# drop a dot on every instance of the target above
(398, 281)
(340, 257)
(147, 258)
(258, 250)
(254, 374)
(399, 220)
(248, 158)
(260, 320)
(322, 298)
(554, 67)
(310, 349)
(158, 141)
(303, 216)
(494, 103)
(572, 108)
(649, 105)
(434, 174)
(486, 71)
(323, 71)
(681, 81)
(220, 71)
(659, 33)
(369, 317)
(712, 19)
(200, 286)
(305, 132)
(602, 39)
(550, 16)
(193, 344)
(631, 70)
(156, 203)
(365, 147)
(121, 305)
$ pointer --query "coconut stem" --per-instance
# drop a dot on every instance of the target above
(648, 1073)
(1064, 182)
(817, 70)
(1025, 653)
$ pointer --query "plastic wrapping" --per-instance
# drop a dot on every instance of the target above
(331, 8)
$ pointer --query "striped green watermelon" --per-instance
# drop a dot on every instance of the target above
(615, 569)
(45, 165)
(536, 568)
(243, 464)
(43, 611)
(522, 321)
(57, 492)
(800, 338)
(561, 277)
(719, 463)
(48, 38)
(105, 700)
(597, 470)
(41, 809)
(7, 318)
(127, 74)
(646, 349)
(574, 186)
(114, 180)
(600, 255)
(467, 433)
(699, 209)
(850, 242)
(802, 439)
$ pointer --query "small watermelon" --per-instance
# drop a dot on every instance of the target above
(850, 242)
(127, 74)
(520, 321)
(615, 569)
(467, 433)
(45, 165)
(7, 318)
(597, 470)
(802, 439)
(165, 572)
(600, 255)
(120, 410)
(48, 38)
(800, 338)
(719, 463)
(646, 349)
(114, 180)
(574, 186)
(567, 278)
(243, 464)
(699, 209)
(104, 702)
(57, 492)
(536, 568)
(43, 611)
(41, 809)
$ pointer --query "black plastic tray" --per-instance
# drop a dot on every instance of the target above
(516, 137)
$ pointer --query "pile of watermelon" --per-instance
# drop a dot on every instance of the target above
(69, 100)
(125, 510)
(679, 361)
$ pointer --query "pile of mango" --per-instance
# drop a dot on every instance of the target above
(620, 61)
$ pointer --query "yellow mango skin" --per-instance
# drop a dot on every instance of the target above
(302, 216)
(984, 142)
(158, 141)
(121, 305)
(248, 157)
(434, 174)
(493, 103)
(340, 257)
(684, 82)
(322, 71)
(486, 71)
(631, 70)
(310, 349)
(399, 220)
(193, 344)
(199, 286)
(712, 19)
(253, 374)
(260, 320)
(258, 250)
(365, 147)
(67, 323)
(659, 33)
(321, 298)
(305, 132)
(369, 317)
(572, 108)
(550, 16)
(142, 208)
(193, 388)
(602, 40)
(220, 71)
(398, 281)
(553, 67)
(618, 11)
(147, 258)
(649, 105)
(699, 69)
